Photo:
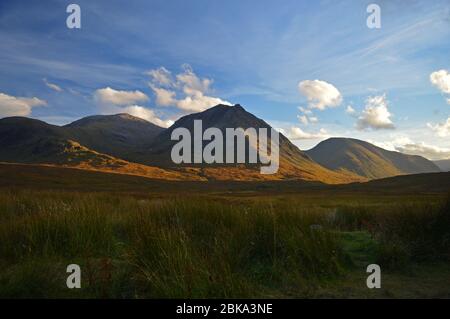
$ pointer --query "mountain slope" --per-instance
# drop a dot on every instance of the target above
(30, 141)
(294, 164)
(444, 165)
(27, 140)
(367, 160)
(118, 135)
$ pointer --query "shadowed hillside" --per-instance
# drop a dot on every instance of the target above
(29, 141)
(444, 165)
(118, 135)
(367, 160)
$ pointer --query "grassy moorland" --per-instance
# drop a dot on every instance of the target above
(132, 243)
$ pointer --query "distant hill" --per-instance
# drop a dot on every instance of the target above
(367, 160)
(30, 141)
(118, 135)
(444, 165)
(27, 140)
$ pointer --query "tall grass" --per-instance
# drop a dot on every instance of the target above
(140, 247)
(415, 233)
(170, 248)
(405, 232)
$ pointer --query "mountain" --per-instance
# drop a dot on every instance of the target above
(27, 140)
(367, 160)
(30, 141)
(127, 144)
(118, 135)
(294, 164)
(444, 165)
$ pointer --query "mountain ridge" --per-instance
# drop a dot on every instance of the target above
(367, 160)
(127, 143)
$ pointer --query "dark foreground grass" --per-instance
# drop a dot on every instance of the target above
(146, 247)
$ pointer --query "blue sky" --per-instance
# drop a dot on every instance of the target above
(269, 56)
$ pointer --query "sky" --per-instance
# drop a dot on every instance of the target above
(313, 70)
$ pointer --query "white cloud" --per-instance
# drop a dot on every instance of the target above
(320, 94)
(111, 101)
(160, 76)
(191, 82)
(164, 97)
(52, 86)
(146, 114)
(441, 129)
(304, 110)
(296, 133)
(192, 90)
(305, 119)
(111, 96)
(138, 111)
(375, 115)
(428, 151)
(350, 110)
(18, 106)
(392, 143)
(199, 102)
(448, 101)
(441, 80)
(405, 145)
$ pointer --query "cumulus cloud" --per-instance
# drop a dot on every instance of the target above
(164, 97)
(441, 80)
(191, 82)
(18, 106)
(307, 117)
(375, 115)
(199, 102)
(142, 112)
(441, 129)
(160, 76)
(185, 91)
(303, 119)
(52, 86)
(320, 94)
(428, 151)
(392, 143)
(116, 97)
(296, 133)
(306, 120)
(146, 114)
(405, 145)
(113, 101)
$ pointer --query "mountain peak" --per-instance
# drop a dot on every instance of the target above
(126, 116)
(95, 119)
(222, 116)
